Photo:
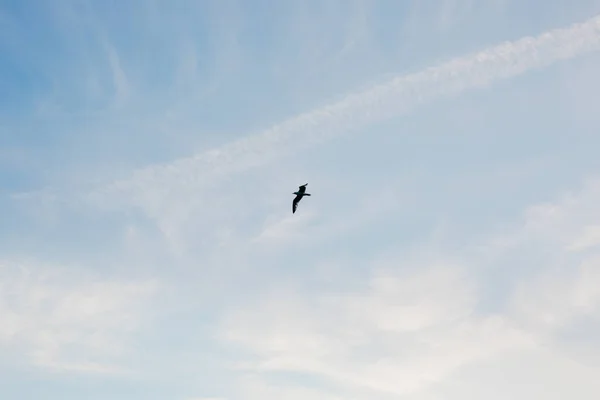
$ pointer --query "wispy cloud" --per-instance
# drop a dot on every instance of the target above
(412, 327)
(67, 320)
(417, 270)
(397, 96)
(121, 83)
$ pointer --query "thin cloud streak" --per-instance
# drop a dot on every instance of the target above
(393, 98)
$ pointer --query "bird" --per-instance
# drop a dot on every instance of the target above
(299, 194)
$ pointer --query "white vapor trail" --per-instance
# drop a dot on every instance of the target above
(389, 99)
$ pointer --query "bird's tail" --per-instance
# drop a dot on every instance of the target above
(307, 194)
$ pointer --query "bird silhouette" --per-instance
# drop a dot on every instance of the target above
(299, 195)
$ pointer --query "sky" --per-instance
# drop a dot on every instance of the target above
(149, 151)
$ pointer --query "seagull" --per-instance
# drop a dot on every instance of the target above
(299, 194)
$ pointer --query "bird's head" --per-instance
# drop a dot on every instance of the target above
(296, 193)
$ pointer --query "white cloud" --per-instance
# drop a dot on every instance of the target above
(150, 187)
(63, 319)
(414, 328)
(561, 296)
(121, 84)
(419, 323)
(590, 237)
(396, 337)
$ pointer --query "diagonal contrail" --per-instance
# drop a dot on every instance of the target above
(354, 111)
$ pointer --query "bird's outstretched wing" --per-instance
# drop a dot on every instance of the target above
(295, 203)
(302, 189)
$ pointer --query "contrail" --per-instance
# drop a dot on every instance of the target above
(392, 98)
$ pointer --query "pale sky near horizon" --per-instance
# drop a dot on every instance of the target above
(149, 151)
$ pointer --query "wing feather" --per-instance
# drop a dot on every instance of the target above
(295, 203)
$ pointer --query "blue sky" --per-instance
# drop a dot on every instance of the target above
(148, 155)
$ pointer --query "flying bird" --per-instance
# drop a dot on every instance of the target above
(299, 194)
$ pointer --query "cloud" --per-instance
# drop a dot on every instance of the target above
(365, 293)
(413, 327)
(396, 337)
(120, 81)
(64, 319)
(169, 193)
(150, 186)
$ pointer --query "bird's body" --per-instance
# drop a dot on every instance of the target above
(299, 195)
